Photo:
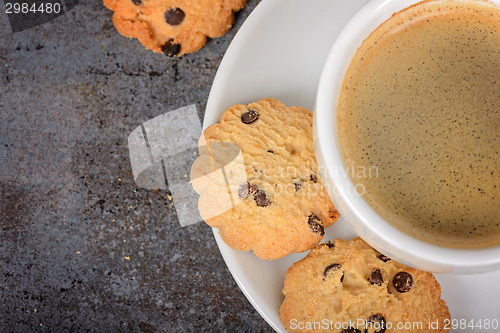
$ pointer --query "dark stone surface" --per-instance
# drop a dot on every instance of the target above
(82, 248)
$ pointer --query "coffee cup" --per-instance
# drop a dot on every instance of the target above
(367, 221)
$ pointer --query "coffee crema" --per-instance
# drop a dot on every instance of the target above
(421, 102)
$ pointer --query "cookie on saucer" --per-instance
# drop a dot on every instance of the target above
(283, 206)
(348, 287)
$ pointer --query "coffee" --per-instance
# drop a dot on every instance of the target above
(421, 102)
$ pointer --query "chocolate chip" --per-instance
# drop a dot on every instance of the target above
(384, 258)
(316, 224)
(170, 48)
(298, 185)
(174, 16)
(331, 268)
(250, 116)
(137, 2)
(351, 330)
(376, 277)
(270, 152)
(330, 245)
(259, 196)
(402, 282)
(261, 199)
(314, 178)
(377, 322)
(243, 191)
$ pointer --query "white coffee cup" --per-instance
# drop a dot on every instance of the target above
(367, 223)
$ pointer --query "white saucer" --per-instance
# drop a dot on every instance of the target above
(279, 52)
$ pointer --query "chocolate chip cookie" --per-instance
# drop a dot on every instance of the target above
(348, 287)
(174, 27)
(284, 206)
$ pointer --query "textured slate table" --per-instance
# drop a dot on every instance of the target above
(82, 248)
